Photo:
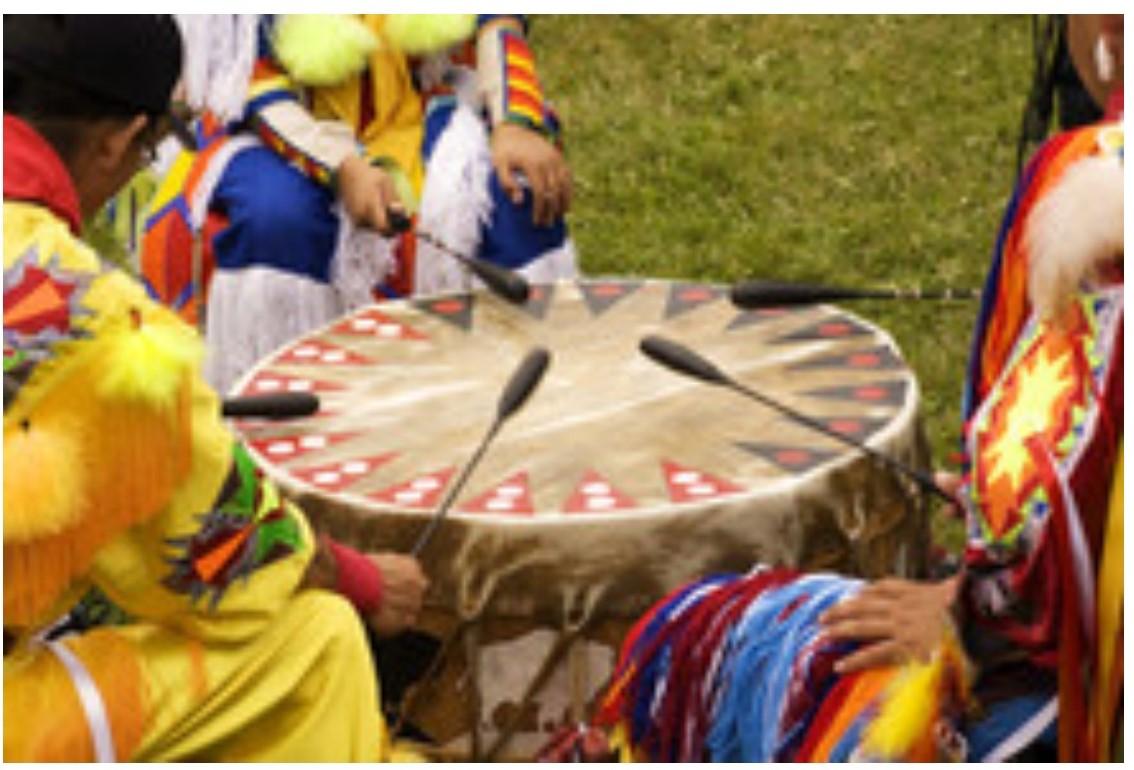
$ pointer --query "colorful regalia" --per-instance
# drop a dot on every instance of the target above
(250, 224)
(119, 474)
(735, 668)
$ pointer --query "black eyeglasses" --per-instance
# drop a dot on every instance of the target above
(178, 120)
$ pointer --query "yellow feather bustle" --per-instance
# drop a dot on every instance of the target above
(323, 49)
(912, 703)
(146, 360)
(43, 479)
(426, 33)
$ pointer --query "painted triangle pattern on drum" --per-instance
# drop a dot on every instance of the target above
(337, 476)
(374, 323)
(687, 484)
(595, 494)
(886, 393)
(513, 495)
(793, 459)
(318, 353)
(289, 447)
(420, 493)
(880, 357)
(832, 328)
(748, 317)
(272, 382)
(539, 300)
(684, 297)
(456, 309)
(600, 296)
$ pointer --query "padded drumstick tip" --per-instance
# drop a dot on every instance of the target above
(524, 380)
(681, 359)
(271, 406)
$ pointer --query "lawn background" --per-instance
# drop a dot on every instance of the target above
(856, 150)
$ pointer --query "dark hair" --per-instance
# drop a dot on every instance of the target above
(63, 72)
(59, 113)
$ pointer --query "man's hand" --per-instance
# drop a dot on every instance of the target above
(518, 149)
(403, 588)
(367, 192)
(898, 620)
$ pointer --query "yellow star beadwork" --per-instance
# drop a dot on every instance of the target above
(1041, 385)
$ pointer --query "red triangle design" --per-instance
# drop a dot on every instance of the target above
(689, 484)
(280, 449)
(270, 382)
(513, 495)
(374, 323)
(594, 494)
(336, 476)
(319, 353)
(420, 493)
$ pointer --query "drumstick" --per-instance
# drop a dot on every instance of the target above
(523, 381)
(272, 406)
(681, 359)
(508, 284)
(752, 295)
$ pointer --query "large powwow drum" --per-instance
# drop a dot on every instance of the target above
(618, 481)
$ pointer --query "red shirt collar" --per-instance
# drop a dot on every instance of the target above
(1114, 104)
(34, 172)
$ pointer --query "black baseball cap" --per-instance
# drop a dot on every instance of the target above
(131, 62)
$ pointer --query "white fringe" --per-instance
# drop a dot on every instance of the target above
(254, 311)
(220, 50)
(363, 259)
(455, 203)
(1075, 228)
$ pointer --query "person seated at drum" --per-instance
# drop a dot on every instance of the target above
(776, 665)
(119, 473)
(341, 125)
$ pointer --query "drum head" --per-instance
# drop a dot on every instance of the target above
(608, 443)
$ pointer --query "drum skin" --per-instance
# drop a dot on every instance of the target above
(619, 479)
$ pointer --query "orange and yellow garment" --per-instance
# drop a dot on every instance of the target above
(119, 473)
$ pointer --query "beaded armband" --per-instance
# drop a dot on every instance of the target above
(508, 81)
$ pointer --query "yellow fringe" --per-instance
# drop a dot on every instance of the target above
(131, 453)
(44, 479)
(43, 719)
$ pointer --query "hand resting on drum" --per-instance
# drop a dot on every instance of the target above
(386, 588)
(897, 621)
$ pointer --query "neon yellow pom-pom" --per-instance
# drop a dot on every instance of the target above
(43, 480)
(147, 362)
(323, 49)
(426, 33)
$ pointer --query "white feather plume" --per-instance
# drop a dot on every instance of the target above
(1073, 230)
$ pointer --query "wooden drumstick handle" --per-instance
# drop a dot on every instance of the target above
(520, 386)
(508, 284)
(679, 358)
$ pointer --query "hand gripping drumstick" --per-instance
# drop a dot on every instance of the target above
(752, 295)
(683, 360)
(508, 284)
(524, 380)
(272, 406)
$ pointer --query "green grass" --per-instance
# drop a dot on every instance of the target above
(857, 150)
